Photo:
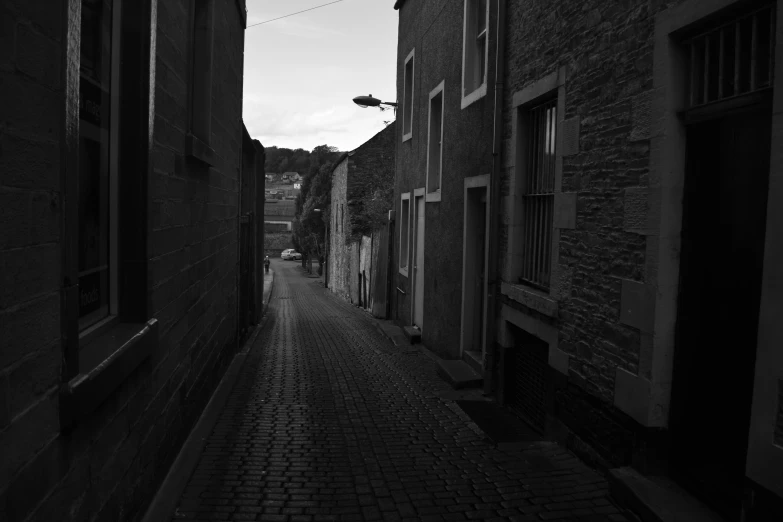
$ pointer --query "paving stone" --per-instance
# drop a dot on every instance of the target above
(329, 421)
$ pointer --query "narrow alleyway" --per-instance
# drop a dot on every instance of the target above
(330, 421)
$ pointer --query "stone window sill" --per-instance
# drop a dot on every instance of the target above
(474, 96)
(200, 150)
(535, 299)
(129, 345)
(432, 196)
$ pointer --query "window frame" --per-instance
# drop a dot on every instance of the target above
(97, 360)
(199, 135)
(542, 238)
(405, 225)
(469, 55)
(408, 97)
(95, 328)
(439, 90)
(543, 302)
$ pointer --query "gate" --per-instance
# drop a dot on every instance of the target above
(246, 272)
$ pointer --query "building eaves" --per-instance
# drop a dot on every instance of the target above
(398, 4)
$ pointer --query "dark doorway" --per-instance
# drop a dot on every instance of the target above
(724, 215)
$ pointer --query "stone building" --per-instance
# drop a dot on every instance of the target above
(634, 253)
(444, 157)
(362, 185)
(121, 226)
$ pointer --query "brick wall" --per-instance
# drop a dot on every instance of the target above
(30, 211)
(434, 29)
(109, 464)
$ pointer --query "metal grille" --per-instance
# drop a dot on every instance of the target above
(732, 59)
(538, 200)
(528, 383)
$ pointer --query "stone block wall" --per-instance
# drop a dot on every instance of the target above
(339, 259)
(31, 87)
(109, 463)
(605, 52)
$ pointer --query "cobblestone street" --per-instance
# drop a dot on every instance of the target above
(330, 421)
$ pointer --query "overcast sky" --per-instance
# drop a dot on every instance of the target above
(302, 72)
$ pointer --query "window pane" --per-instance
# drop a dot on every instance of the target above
(481, 15)
(407, 113)
(94, 113)
(434, 143)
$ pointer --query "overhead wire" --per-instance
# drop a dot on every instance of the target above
(292, 14)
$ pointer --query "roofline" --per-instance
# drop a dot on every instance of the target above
(339, 160)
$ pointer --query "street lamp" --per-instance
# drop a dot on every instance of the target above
(369, 101)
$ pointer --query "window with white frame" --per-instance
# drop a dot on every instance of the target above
(475, 49)
(539, 138)
(407, 97)
(435, 143)
(405, 207)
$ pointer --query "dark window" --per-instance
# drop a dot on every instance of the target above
(732, 59)
(538, 199)
(407, 104)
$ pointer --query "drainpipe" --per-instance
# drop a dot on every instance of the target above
(493, 286)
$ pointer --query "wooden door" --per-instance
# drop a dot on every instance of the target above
(724, 216)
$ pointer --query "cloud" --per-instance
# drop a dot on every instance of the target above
(308, 125)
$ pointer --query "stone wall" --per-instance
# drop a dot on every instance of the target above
(434, 29)
(339, 260)
(107, 463)
(605, 52)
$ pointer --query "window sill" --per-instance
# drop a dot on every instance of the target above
(535, 299)
(128, 344)
(406, 137)
(474, 96)
(432, 196)
(201, 151)
(404, 271)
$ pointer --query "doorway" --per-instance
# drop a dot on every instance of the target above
(474, 272)
(418, 260)
(724, 217)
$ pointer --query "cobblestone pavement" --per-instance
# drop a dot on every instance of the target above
(330, 421)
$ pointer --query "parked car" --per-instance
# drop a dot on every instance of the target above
(290, 253)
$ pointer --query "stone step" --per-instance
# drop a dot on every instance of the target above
(459, 374)
(413, 334)
(473, 359)
(657, 499)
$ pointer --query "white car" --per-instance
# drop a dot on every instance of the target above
(290, 253)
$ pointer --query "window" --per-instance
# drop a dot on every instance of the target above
(407, 98)
(98, 180)
(199, 138)
(732, 59)
(540, 122)
(405, 207)
(475, 49)
(105, 275)
(435, 144)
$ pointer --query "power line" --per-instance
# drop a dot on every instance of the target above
(292, 14)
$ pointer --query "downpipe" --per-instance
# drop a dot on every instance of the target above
(493, 286)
